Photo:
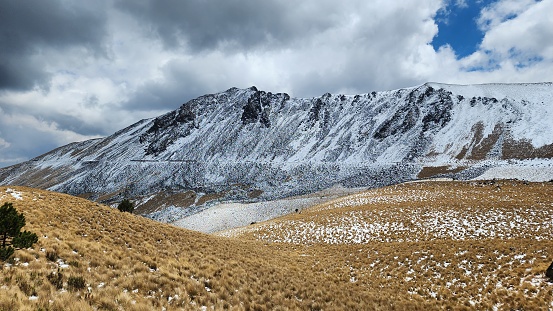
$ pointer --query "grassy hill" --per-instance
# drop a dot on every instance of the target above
(472, 245)
(477, 245)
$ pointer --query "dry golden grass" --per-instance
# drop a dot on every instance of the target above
(127, 262)
(454, 245)
(131, 263)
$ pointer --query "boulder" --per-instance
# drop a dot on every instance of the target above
(549, 271)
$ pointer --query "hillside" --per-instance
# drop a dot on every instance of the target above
(408, 247)
(133, 263)
(247, 145)
(478, 245)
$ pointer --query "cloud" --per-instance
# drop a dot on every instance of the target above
(516, 45)
(528, 34)
(4, 144)
(30, 29)
(237, 24)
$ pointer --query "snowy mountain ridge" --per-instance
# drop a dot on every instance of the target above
(247, 144)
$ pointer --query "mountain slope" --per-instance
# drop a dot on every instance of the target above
(476, 245)
(370, 251)
(128, 262)
(246, 144)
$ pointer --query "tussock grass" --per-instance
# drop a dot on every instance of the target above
(92, 257)
(455, 245)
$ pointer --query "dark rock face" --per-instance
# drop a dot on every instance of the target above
(549, 272)
(427, 105)
(257, 109)
(439, 113)
(163, 131)
(402, 121)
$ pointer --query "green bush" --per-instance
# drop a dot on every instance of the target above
(56, 279)
(25, 239)
(11, 222)
(52, 255)
(126, 206)
(11, 236)
(6, 252)
(75, 283)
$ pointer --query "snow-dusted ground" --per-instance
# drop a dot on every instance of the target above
(226, 216)
(13, 193)
(414, 214)
(365, 226)
(530, 170)
(481, 244)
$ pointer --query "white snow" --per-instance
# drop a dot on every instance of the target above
(362, 226)
(15, 194)
(530, 170)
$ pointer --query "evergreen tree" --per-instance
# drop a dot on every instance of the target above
(11, 223)
(126, 206)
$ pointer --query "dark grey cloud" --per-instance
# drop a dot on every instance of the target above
(29, 28)
(232, 24)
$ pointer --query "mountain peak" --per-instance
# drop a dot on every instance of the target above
(248, 144)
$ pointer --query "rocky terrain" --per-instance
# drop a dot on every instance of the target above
(248, 145)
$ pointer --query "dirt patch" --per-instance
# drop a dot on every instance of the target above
(161, 200)
(431, 171)
(523, 149)
(210, 197)
(485, 145)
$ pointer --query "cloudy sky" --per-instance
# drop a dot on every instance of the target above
(71, 70)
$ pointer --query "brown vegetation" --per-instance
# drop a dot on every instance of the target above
(92, 257)
(431, 171)
(455, 245)
(131, 263)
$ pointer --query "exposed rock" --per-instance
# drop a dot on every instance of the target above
(240, 142)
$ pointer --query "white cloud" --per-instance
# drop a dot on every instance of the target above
(501, 11)
(4, 143)
(527, 35)
(516, 45)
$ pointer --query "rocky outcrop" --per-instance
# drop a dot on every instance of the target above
(248, 144)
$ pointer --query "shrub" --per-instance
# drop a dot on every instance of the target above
(52, 255)
(76, 283)
(6, 252)
(11, 223)
(25, 239)
(126, 206)
(56, 279)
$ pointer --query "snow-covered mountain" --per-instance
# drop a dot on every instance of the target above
(247, 144)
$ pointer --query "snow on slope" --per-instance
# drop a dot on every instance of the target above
(528, 107)
(245, 141)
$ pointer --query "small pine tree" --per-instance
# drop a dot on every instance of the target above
(25, 239)
(6, 252)
(11, 223)
(126, 206)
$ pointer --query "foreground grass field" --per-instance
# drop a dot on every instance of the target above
(419, 246)
(480, 245)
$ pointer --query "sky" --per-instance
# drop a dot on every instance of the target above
(72, 70)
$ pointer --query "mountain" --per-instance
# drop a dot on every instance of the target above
(252, 145)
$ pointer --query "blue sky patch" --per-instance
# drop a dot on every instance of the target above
(457, 26)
